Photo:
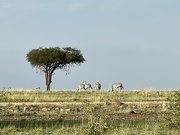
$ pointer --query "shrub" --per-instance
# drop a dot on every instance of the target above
(175, 111)
(98, 121)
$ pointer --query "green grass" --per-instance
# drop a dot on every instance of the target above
(101, 112)
(83, 96)
(77, 128)
(39, 127)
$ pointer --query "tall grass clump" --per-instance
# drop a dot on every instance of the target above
(98, 121)
(174, 110)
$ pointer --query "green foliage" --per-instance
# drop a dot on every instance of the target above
(50, 59)
(45, 56)
(54, 57)
(73, 56)
(98, 121)
(175, 111)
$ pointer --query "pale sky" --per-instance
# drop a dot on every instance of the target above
(136, 42)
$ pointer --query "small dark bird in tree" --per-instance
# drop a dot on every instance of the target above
(50, 59)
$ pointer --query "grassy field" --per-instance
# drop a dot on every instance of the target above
(131, 112)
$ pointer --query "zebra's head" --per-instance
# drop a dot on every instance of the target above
(84, 82)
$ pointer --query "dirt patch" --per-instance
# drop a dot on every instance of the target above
(125, 116)
(136, 116)
(79, 103)
(46, 111)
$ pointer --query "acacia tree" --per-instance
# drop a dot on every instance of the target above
(50, 59)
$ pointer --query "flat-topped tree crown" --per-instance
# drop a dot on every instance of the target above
(50, 59)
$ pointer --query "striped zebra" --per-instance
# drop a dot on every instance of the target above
(97, 86)
(116, 86)
(81, 87)
(37, 88)
(87, 86)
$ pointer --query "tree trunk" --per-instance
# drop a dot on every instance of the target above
(48, 77)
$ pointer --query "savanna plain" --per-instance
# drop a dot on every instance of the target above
(69, 112)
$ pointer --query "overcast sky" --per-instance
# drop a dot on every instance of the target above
(136, 42)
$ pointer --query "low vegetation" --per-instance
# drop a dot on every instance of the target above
(84, 96)
(174, 111)
(137, 112)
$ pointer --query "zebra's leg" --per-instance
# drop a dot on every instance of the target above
(112, 88)
(122, 87)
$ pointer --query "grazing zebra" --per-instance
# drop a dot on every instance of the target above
(81, 87)
(116, 86)
(37, 88)
(4, 88)
(87, 85)
(97, 86)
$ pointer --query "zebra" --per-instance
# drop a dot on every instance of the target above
(116, 86)
(4, 88)
(87, 85)
(97, 86)
(36, 88)
(81, 87)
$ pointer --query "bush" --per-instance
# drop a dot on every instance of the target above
(174, 108)
(98, 121)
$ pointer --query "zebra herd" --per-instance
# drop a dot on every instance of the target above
(97, 86)
(87, 86)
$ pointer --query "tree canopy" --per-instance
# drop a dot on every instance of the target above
(50, 59)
